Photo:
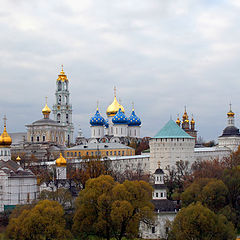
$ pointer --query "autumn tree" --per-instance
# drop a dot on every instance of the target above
(207, 169)
(106, 208)
(44, 221)
(175, 178)
(89, 168)
(61, 195)
(200, 223)
(210, 192)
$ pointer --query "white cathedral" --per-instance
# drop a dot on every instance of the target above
(117, 127)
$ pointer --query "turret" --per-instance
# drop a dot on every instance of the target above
(61, 168)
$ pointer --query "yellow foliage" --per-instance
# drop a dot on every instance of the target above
(44, 221)
(108, 209)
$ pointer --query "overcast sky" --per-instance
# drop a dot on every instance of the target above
(161, 54)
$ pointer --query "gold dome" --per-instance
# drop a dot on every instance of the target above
(230, 113)
(178, 121)
(18, 158)
(185, 116)
(5, 139)
(46, 110)
(114, 106)
(62, 76)
(61, 161)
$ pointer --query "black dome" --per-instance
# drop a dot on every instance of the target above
(230, 131)
(159, 171)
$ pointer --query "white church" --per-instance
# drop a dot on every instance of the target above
(117, 127)
(17, 185)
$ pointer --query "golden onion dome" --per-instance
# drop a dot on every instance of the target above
(178, 121)
(5, 139)
(187, 121)
(114, 107)
(62, 76)
(46, 110)
(61, 161)
(230, 113)
(18, 158)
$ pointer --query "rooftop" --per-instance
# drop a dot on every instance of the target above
(172, 130)
(99, 146)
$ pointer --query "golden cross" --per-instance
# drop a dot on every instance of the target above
(159, 164)
(62, 67)
(132, 105)
(97, 104)
(230, 106)
(115, 90)
(46, 99)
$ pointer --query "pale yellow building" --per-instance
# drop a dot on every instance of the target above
(99, 150)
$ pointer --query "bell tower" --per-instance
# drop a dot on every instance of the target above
(62, 109)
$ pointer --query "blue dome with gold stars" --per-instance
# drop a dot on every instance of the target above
(97, 119)
(120, 118)
(134, 120)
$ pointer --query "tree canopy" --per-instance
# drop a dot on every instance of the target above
(211, 192)
(106, 208)
(44, 221)
(200, 223)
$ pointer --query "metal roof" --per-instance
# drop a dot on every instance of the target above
(99, 146)
(172, 130)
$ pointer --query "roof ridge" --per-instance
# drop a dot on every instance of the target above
(172, 130)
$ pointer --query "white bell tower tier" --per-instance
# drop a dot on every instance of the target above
(62, 110)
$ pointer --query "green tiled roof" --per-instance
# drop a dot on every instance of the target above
(172, 130)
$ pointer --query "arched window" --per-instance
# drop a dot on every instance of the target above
(58, 117)
(67, 118)
(59, 99)
(59, 86)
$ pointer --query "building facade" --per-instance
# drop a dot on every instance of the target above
(98, 150)
(17, 185)
(62, 109)
(165, 210)
(169, 145)
(46, 130)
(230, 137)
